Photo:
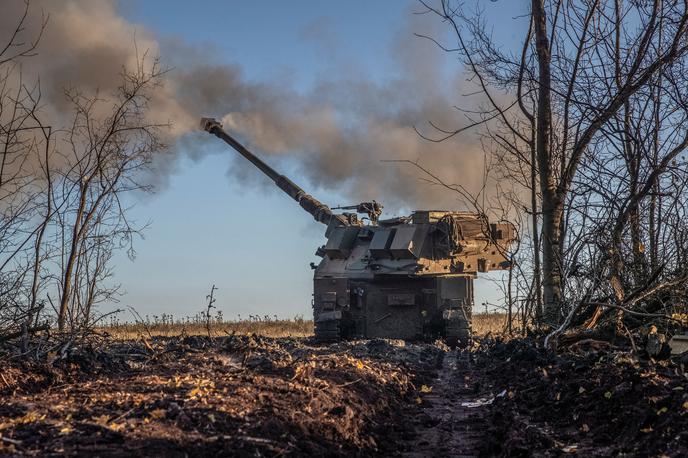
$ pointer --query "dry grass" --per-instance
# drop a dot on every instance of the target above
(484, 323)
(268, 327)
(166, 326)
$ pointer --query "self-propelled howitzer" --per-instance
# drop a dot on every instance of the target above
(406, 277)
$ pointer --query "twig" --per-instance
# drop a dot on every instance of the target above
(552, 337)
(139, 320)
(630, 337)
(2, 376)
(123, 415)
(211, 300)
(10, 441)
(349, 383)
(592, 342)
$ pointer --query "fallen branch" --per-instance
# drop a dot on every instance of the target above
(551, 339)
(14, 335)
(635, 297)
(633, 312)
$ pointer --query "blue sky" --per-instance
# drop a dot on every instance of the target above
(255, 244)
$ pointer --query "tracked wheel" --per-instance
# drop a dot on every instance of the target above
(328, 331)
(458, 338)
(457, 332)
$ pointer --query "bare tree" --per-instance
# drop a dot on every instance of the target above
(107, 155)
(21, 140)
(62, 207)
(580, 65)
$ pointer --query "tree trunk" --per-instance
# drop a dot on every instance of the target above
(551, 201)
(41, 232)
(551, 264)
(71, 258)
(537, 293)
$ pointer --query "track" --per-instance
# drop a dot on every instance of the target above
(444, 427)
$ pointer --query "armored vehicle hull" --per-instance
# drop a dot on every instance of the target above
(402, 278)
(400, 308)
(406, 278)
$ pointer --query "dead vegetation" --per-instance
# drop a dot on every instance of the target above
(168, 326)
(591, 169)
(489, 323)
(595, 398)
(247, 395)
(194, 396)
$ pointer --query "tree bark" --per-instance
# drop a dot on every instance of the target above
(537, 293)
(71, 258)
(551, 201)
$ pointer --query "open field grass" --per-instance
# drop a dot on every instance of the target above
(488, 323)
(166, 326)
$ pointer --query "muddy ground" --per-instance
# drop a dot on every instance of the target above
(591, 399)
(257, 396)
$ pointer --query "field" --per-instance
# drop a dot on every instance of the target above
(160, 390)
(167, 326)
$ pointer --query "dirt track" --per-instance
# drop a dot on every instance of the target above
(253, 396)
(452, 421)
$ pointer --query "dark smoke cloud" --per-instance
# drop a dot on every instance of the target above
(339, 132)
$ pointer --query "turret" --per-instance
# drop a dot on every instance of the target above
(320, 211)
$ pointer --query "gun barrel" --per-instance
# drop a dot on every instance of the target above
(321, 212)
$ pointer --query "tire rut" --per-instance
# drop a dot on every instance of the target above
(442, 426)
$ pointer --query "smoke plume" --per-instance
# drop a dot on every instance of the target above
(338, 133)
